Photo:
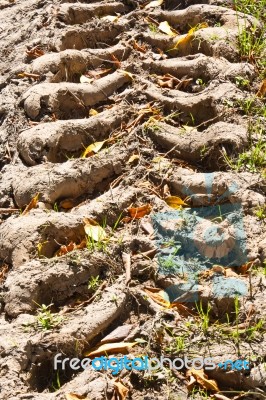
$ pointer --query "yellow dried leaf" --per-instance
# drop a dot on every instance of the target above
(262, 89)
(85, 79)
(154, 3)
(175, 202)
(94, 230)
(133, 158)
(166, 28)
(111, 348)
(121, 390)
(93, 112)
(93, 149)
(185, 39)
(202, 379)
(159, 296)
(32, 204)
(73, 396)
(139, 212)
(126, 73)
(110, 18)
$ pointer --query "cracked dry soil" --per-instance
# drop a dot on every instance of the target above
(47, 118)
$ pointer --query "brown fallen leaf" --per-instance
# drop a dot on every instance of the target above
(138, 47)
(243, 269)
(32, 204)
(67, 203)
(139, 212)
(262, 90)
(111, 348)
(34, 52)
(64, 249)
(175, 202)
(94, 230)
(158, 295)
(120, 389)
(3, 272)
(97, 73)
(202, 379)
(116, 62)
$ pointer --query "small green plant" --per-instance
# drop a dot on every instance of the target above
(260, 212)
(237, 333)
(153, 28)
(204, 316)
(254, 158)
(94, 283)
(56, 384)
(200, 82)
(56, 207)
(242, 82)
(47, 320)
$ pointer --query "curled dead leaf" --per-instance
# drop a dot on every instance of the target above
(139, 212)
(159, 296)
(175, 202)
(93, 149)
(111, 348)
(262, 90)
(202, 379)
(166, 28)
(138, 47)
(32, 204)
(121, 389)
(64, 249)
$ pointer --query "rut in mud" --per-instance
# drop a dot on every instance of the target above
(162, 107)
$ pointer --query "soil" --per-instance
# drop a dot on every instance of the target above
(166, 112)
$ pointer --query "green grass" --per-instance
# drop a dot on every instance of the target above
(45, 319)
(251, 40)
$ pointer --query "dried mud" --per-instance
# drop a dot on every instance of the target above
(47, 119)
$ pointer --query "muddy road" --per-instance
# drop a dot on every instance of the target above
(121, 126)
